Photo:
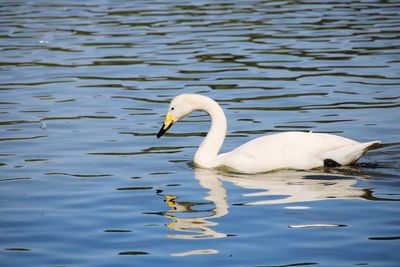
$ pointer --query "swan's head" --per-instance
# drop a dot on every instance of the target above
(180, 106)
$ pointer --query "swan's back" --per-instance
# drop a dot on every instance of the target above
(290, 150)
(313, 143)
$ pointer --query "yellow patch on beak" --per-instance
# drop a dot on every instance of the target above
(166, 125)
(168, 120)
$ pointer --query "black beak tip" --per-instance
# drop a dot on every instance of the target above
(160, 133)
(163, 131)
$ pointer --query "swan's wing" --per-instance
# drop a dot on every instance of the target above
(297, 150)
(293, 142)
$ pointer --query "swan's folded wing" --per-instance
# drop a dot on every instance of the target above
(290, 150)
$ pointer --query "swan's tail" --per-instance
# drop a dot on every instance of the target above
(349, 154)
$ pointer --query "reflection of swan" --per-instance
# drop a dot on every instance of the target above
(286, 186)
(290, 150)
(296, 187)
(283, 187)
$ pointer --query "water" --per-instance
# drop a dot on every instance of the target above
(84, 89)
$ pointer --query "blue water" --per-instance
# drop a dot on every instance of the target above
(84, 88)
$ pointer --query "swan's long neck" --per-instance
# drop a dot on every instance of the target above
(206, 155)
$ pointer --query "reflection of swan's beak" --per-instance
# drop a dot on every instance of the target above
(168, 122)
(170, 200)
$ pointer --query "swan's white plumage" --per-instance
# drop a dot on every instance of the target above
(289, 150)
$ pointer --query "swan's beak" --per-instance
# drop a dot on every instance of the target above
(166, 125)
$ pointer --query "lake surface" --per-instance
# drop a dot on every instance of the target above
(84, 87)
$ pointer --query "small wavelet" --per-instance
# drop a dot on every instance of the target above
(79, 175)
(316, 225)
(133, 253)
(195, 252)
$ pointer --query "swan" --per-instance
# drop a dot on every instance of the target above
(287, 150)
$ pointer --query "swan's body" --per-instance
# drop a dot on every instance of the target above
(289, 150)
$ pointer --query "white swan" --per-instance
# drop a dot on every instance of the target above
(288, 150)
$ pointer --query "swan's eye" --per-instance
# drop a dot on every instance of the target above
(172, 108)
